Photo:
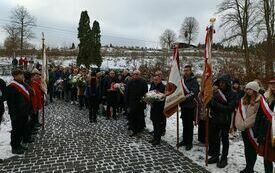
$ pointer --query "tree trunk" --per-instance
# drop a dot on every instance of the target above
(21, 38)
(246, 56)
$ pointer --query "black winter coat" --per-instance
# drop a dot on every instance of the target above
(112, 95)
(262, 124)
(157, 107)
(136, 89)
(19, 107)
(220, 111)
(193, 86)
(2, 97)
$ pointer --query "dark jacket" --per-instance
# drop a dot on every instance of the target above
(221, 111)
(66, 81)
(157, 107)
(51, 78)
(262, 125)
(193, 86)
(2, 97)
(94, 91)
(19, 106)
(112, 95)
(136, 89)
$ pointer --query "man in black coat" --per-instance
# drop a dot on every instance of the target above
(136, 89)
(188, 106)
(157, 116)
(2, 98)
(221, 107)
(19, 103)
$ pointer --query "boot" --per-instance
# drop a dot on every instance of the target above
(245, 170)
(24, 147)
(182, 143)
(188, 147)
(17, 150)
(222, 163)
(213, 159)
(155, 142)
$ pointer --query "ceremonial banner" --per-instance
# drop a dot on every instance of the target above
(174, 90)
(206, 86)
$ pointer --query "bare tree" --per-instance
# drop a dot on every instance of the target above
(12, 41)
(239, 19)
(23, 22)
(167, 38)
(189, 29)
(267, 11)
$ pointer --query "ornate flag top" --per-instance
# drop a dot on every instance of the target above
(207, 74)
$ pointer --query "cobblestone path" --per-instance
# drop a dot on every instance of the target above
(71, 144)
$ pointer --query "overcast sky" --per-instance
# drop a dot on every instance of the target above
(123, 22)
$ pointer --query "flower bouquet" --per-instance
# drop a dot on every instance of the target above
(58, 82)
(80, 82)
(73, 80)
(120, 87)
(153, 96)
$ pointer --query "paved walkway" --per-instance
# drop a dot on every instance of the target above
(71, 144)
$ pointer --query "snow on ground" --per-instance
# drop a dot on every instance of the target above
(236, 160)
(5, 128)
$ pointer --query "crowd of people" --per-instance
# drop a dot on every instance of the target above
(113, 94)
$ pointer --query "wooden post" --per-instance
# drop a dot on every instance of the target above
(206, 111)
(43, 106)
(178, 129)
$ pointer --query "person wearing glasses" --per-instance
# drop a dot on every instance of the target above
(137, 88)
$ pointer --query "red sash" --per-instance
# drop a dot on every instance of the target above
(267, 111)
(222, 97)
(249, 132)
(21, 88)
(186, 92)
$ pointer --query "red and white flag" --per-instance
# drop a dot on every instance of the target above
(206, 86)
(174, 90)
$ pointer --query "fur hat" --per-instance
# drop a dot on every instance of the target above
(253, 85)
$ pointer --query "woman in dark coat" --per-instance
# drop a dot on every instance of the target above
(94, 97)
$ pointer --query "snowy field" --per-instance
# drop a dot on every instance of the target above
(126, 62)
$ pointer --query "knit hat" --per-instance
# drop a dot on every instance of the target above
(253, 85)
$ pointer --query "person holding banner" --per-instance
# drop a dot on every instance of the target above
(191, 90)
(245, 119)
(157, 116)
(221, 106)
(265, 128)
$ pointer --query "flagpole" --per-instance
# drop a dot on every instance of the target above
(207, 82)
(178, 128)
(43, 105)
(206, 134)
